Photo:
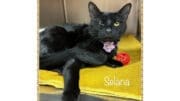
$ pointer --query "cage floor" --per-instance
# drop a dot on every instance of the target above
(47, 93)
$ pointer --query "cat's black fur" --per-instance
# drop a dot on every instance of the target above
(69, 48)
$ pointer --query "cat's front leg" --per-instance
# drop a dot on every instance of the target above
(71, 80)
(113, 63)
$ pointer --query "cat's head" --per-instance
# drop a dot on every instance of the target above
(108, 26)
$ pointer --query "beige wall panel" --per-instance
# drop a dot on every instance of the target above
(77, 11)
(51, 12)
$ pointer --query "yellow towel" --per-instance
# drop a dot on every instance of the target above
(120, 82)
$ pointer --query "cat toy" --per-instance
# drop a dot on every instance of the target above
(123, 57)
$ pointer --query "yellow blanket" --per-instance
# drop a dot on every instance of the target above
(120, 82)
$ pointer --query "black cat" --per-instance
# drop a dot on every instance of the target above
(69, 48)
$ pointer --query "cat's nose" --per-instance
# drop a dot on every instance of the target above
(108, 29)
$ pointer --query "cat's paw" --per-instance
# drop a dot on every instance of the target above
(118, 64)
(114, 63)
(69, 97)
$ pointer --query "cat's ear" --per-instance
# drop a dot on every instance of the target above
(93, 10)
(125, 10)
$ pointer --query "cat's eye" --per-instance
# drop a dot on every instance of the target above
(116, 24)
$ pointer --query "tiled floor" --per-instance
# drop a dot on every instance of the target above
(52, 94)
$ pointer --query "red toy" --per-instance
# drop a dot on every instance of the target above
(123, 58)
